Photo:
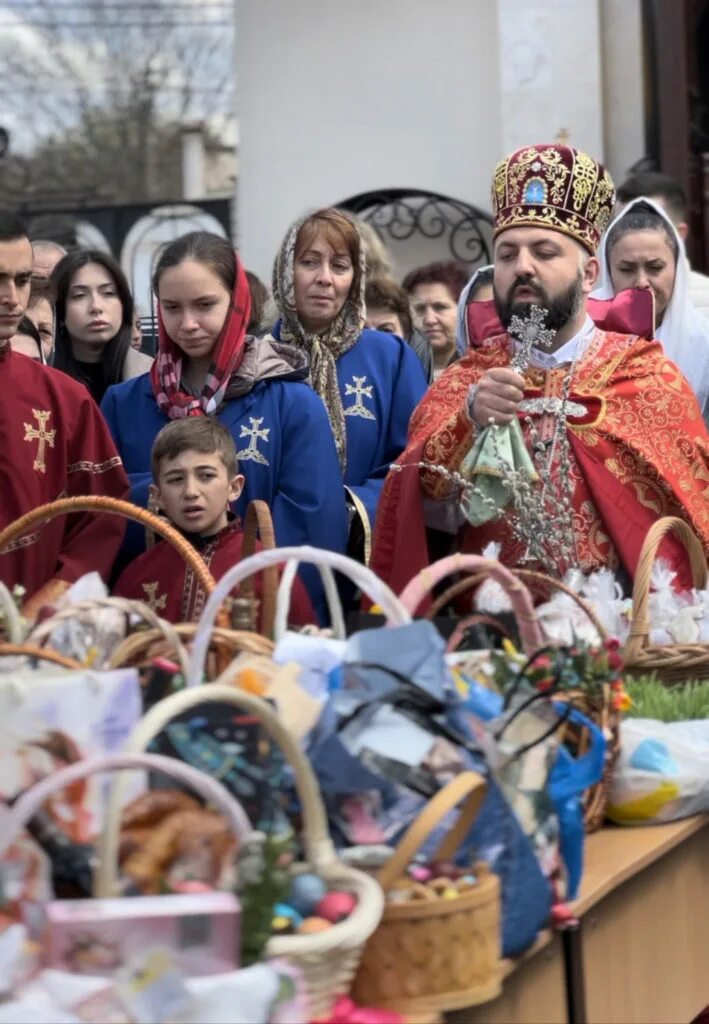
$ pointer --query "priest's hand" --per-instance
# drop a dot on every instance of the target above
(497, 396)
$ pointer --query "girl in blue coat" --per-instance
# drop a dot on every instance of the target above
(208, 366)
(370, 381)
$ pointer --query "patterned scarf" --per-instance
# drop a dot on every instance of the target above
(166, 372)
(323, 349)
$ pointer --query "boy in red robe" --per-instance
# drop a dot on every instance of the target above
(195, 479)
(637, 445)
(53, 444)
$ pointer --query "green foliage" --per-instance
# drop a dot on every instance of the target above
(263, 881)
(653, 699)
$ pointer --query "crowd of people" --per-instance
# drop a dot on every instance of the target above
(359, 409)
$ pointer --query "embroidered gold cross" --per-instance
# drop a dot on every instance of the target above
(42, 435)
(151, 597)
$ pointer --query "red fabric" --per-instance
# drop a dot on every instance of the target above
(160, 578)
(166, 371)
(78, 457)
(631, 311)
(641, 451)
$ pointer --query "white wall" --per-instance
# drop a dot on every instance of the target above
(348, 96)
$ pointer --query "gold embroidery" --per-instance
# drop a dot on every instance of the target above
(43, 437)
(158, 604)
(94, 467)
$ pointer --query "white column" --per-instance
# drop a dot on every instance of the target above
(623, 85)
(550, 73)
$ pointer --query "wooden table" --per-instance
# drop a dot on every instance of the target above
(642, 950)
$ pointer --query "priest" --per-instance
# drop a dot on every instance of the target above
(613, 431)
(53, 444)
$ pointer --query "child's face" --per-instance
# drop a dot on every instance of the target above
(194, 492)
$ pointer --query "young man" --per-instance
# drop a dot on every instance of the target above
(635, 446)
(53, 444)
(195, 480)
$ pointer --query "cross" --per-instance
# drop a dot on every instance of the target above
(42, 435)
(255, 433)
(360, 391)
(151, 597)
(529, 332)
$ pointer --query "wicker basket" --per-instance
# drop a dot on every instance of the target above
(673, 663)
(599, 709)
(328, 959)
(437, 954)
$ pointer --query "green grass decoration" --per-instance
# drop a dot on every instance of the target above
(651, 698)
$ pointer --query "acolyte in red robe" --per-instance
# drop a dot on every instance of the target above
(54, 444)
(640, 451)
(160, 578)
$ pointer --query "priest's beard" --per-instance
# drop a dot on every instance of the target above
(560, 309)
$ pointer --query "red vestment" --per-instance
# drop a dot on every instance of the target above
(641, 451)
(54, 444)
(160, 578)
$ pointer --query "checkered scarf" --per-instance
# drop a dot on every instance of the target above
(166, 372)
(324, 349)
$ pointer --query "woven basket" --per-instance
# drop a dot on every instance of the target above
(328, 959)
(435, 954)
(673, 663)
(599, 709)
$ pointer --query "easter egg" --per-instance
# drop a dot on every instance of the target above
(419, 872)
(281, 925)
(284, 910)
(335, 906)
(305, 892)
(445, 869)
(450, 894)
(312, 925)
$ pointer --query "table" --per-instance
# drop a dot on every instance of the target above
(642, 950)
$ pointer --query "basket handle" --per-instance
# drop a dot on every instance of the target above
(122, 604)
(40, 653)
(112, 506)
(417, 588)
(285, 591)
(640, 626)
(316, 837)
(468, 786)
(15, 818)
(527, 576)
(368, 582)
(258, 521)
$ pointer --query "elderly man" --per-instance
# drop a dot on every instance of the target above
(612, 430)
(46, 254)
(54, 444)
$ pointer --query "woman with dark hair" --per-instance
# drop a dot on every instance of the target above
(434, 291)
(643, 249)
(207, 365)
(94, 315)
(370, 381)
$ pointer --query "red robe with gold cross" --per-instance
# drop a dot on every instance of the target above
(640, 451)
(160, 578)
(54, 444)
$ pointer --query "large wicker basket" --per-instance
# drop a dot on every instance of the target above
(328, 959)
(437, 954)
(599, 709)
(673, 663)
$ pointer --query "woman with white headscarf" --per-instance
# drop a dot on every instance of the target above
(478, 289)
(642, 249)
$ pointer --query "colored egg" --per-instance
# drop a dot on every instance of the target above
(282, 925)
(450, 894)
(446, 869)
(305, 893)
(335, 906)
(284, 910)
(311, 925)
(419, 873)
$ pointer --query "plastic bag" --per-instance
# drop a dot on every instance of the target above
(662, 773)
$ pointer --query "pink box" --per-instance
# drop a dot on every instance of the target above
(201, 931)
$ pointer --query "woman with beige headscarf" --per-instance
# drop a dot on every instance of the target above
(370, 381)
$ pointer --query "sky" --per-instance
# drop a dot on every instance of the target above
(54, 51)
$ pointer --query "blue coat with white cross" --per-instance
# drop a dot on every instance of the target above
(381, 383)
